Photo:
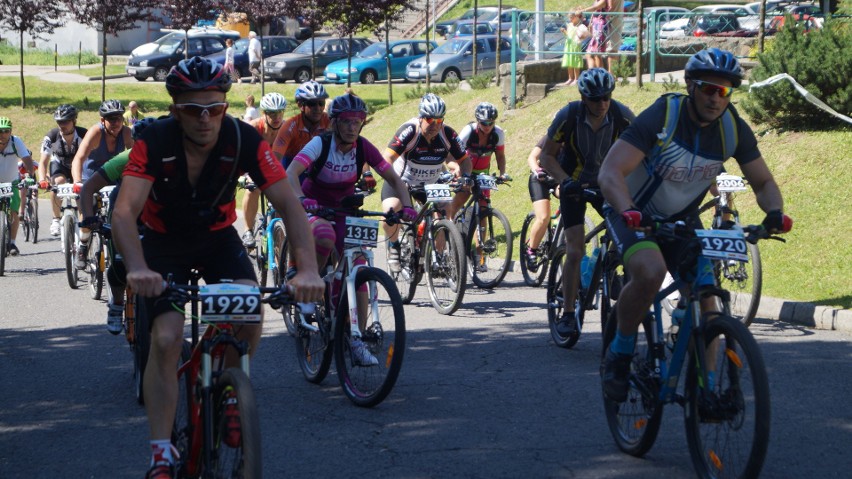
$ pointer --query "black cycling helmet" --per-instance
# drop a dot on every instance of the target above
(347, 103)
(595, 82)
(65, 112)
(140, 126)
(197, 74)
(111, 107)
(485, 112)
(714, 61)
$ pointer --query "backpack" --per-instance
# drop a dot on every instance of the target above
(674, 103)
(319, 163)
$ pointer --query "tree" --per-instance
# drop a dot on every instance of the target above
(185, 14)
(30, 16)
(110, 17)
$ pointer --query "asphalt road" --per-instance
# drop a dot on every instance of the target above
(482, 394)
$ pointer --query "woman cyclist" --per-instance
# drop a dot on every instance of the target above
(332, 178)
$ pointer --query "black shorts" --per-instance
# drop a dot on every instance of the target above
(574, 210)
(540, 190)
(217, 255)
(57, 169)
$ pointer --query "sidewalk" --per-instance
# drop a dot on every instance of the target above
(61, 74)
(806, 314)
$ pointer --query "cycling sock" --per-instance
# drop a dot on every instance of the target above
(711, 380)
(393, 244)
(623, 344)
(161, 452)
(11, 241)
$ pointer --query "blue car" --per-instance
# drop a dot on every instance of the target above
(369, 65)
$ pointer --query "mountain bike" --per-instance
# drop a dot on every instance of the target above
(726, 393)
(433, 247)
(217, 427)
(361, 306)
(744, 280)
(6, 192)
(29, 220)
(97, 259)
(487, 233)
(69, 231)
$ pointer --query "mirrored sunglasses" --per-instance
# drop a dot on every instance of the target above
(197, 110)
(486, 123)
(434, 120)
(710, 89)
(598, 99)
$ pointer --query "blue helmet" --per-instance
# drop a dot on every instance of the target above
(714, 61)
(595, 82)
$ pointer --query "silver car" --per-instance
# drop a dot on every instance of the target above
(454, 59)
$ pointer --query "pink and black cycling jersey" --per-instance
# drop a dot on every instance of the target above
(480, 152)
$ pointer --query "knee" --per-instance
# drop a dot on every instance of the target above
(647, 274)
(167, 342)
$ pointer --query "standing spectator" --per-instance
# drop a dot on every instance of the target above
(132, 114)
(575, 32)
(255, 54)
(251, 111)
(229, 62)
(606, 31)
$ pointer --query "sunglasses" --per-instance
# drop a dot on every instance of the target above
(5, 131)
(196, 110)
(598, 99)
(314, 104)
(710, 89)
(430, 121)
(486, 123)
(274, 114)
(350, 122)
(113, 118)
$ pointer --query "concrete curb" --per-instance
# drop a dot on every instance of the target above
(110, 77)
(806, 314)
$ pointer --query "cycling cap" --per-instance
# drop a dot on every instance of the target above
(111, 107)
(596, 82)
(197, 74)
(65, 112)
(485, 112)
(273, 102)
(347, 103)
(310, 90)
(714, 61)
(140, 126)
(5, 122)
(432, 106)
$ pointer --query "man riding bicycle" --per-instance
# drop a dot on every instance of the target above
(420, 150)
(331, 161)
(181, 178)
(654, 173)
(298, 130)
(12, 149)
(584, 130)
(58, 149)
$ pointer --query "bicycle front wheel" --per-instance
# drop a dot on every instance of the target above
(744, 282)
(313, 344)
(409, 273)
(70, 249)
(556, 301)
(491, 249)
(95, 266)
(727, 423)
(533, 268)
(368, 368)
(25, 222)
(281, 252)
(634, 424)
(4, 241)
(236, 427)
(446, 267)
(32, 211)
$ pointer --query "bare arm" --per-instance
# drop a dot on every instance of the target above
(532, 159)
(501, 161)
(595, 6)
(90, 141)
(548, 160)
(90, 187)
(459, 167)
(43, 167)
(763, 183)
(622, 159)
(29, 164)
(293, 171)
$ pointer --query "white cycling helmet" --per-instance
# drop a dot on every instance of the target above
(432, 106)
(273, 102)
(310, 90)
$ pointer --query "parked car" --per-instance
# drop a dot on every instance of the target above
(683, 26)
(553, 24)
(454, 59)
(717, 25)
(155, 59)
(296, 65)
(447, 28)
(505, 20)
(270, 45)
(369, 65)
(465, 28)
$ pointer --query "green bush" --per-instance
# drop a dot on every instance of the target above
(818, 60)
(481, 81)
(623, 69)
(418, 91)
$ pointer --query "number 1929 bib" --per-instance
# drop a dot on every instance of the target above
(230, 303)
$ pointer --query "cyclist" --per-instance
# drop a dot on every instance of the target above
(103, 140)
(419, 151)
(643, 183)
(540, 184)
(584, 130)
(12, 149)
(58, 149)
(332, 162)
(272, 105)
(181, 178)
(110, 174)
(298, 130)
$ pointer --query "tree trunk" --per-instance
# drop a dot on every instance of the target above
(103, 69)
(313, 54)
(475, 16)
(499, 38)
(23, 85)
(428, 73)
(388, 60)
(349, 62)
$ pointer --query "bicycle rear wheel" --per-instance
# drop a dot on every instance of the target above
(533, 269)
(70, 249)
(556, 302)
(491, 249)
(744, 282)
(32, 211)
(141, 346)
(236, 427)
(384, 337)
(182, 428)
(94, 265)
(727, 426)
(634, 424)
(409, 274)
(313, 347)
(446, 267)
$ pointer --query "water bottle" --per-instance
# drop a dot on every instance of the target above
(677, 318)
(587, 267)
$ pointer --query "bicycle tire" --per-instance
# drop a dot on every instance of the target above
(384, 337)
(4, 241)
(446, 270)
(634, 424)
(70, 250)
(492, 253)
(281, 250)
(744, 288)
(33, 206)
(535, 276)
(734, 408)
(556, 302)
(25, 220)
(410, 273)
(314, 348)
(260, 255)
(141, 347)
(241, 458)
(94, 264)
(182, 428)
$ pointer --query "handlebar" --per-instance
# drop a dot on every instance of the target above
(680, 231)
(182, 293)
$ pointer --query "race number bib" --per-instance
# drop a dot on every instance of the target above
(65, 191)
(438, 193)
(361, 232)
(723, 244)
(730, 183)
(486, 182)
(5, 190)
(230, 303)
